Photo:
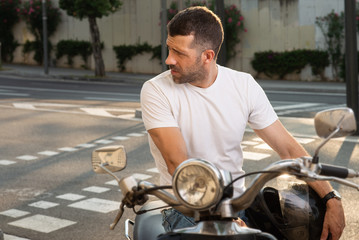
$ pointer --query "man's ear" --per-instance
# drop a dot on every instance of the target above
(208, 55)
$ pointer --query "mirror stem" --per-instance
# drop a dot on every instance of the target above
(315, 157)
(109, 172)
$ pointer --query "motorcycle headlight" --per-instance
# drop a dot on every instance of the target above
(197, 184)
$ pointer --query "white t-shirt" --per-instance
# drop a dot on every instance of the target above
(212, 120)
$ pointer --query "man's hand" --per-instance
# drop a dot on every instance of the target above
(334, 221)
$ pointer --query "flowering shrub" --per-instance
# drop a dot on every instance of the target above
(31, 13)
(8, 18)
(234, 24)
(332, 27)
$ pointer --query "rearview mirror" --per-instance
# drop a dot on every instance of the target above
(341, 120)
(113, 158)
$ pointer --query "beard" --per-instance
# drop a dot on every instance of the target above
(194, 73)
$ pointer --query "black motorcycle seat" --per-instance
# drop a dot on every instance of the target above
(149, 225)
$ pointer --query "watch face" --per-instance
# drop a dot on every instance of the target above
(337, 194)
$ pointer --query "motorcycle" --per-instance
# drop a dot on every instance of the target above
(202, 191)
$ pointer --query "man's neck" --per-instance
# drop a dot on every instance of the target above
(210, 78)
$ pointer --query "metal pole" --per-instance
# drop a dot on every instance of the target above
(44, 38)
(163, 34)
(0, 57)
(351, 58)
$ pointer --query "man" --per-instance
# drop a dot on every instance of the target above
(199, 109)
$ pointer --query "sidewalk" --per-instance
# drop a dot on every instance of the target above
(30, 71)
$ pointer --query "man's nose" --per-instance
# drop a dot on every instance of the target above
(170, 59)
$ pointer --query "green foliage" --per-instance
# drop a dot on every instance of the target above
(72, 48)
(281, 63)
(127, 52)
(37, 47)
(332, 27)
(8, 18)
(31, 13)
(233, 26)
(85, 8)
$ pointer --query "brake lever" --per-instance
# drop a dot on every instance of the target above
(118, 217)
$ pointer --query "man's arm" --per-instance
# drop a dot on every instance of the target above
(170, 142)
(281, 141)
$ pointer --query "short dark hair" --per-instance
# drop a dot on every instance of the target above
(202, 23)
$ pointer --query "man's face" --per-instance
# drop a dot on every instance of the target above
(184, 60)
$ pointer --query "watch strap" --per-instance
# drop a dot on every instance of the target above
(329, 196)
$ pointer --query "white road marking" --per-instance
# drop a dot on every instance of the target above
(305, 93)
(15, 94)
(107, 112)
(304, 140)
(71, 196)
(293, 106)
(255, 156)
(112, 182)
(42, 223)
(43, 204)
(12, 237)
(120, 138)
(68, 149)
(14, 213)
(257, 139)
(48, 153)
(140, 176)
(97, 205)
(6, 162)
(27, 157)
(263, 146)
(103, 141)
(135, 134)
(86, 145)
(154, 170)
(251, 143)
(96, 189)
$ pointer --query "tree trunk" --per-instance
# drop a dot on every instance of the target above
(96, 48)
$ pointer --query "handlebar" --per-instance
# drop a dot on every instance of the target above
(335, 171)
(300, 168)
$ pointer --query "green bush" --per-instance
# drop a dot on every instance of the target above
(72, 48)
(282, 63)
(127, 52)
(9, 16)
(31, 13)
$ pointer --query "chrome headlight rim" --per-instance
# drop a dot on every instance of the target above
(216, 177)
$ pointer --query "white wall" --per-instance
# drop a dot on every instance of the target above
(276, 25)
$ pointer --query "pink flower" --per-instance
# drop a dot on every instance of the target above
(17, 9)
(238, 23)
(241, 18)
(229, 20)
(245, 30)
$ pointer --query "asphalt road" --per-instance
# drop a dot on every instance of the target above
(49, 129)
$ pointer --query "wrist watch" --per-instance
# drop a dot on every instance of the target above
(330, 195)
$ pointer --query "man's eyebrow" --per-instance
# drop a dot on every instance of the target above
(177, 51)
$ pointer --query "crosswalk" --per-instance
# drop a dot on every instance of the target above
(90, 198)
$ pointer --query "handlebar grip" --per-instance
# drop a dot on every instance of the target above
(335, 171)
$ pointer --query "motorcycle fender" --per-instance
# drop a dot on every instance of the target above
(149, 225)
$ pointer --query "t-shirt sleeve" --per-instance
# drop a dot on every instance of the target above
(156, 108)
(262, 113)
